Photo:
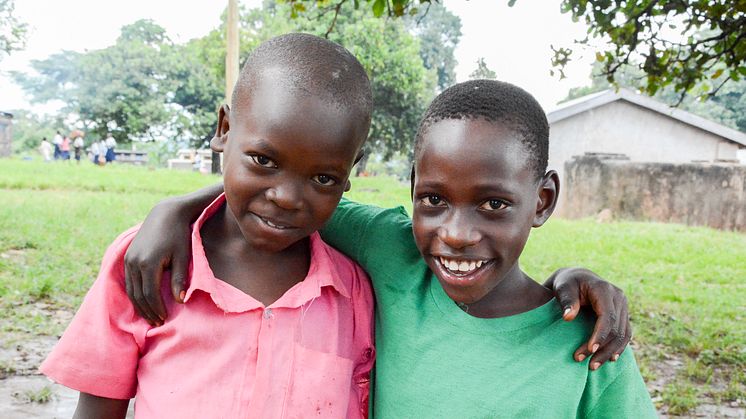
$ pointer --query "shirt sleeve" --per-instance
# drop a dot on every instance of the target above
(370, 235)
(99, 351)
(617, 390)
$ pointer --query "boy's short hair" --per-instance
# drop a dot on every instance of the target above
(499, 102)
(310, 66)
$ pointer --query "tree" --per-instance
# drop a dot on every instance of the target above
(12, 31)
(141, 88)
(680, 43)
(482, 71)
(402, 86)
(439, 32)
(29, 129)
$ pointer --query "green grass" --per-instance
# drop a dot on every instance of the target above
(686, 285)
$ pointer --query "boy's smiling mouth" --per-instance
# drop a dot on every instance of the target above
(273, 224)
(462, 269)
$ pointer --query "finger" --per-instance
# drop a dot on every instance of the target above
(582, 353)
(129, 287)
(179, 268)
(148, 314)
(618, 344)
(151, 290)
(568, 296)
(601, 299)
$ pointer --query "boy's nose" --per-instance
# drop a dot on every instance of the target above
(458, 233)
(286, 195)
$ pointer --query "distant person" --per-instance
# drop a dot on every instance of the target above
(57, 142)
(65, 148)
(110, 145)
(78, 145)
(46, 149)
(97, 152)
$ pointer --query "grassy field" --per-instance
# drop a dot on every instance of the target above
(687, 286)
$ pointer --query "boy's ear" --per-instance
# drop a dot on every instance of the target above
(359, 156)
(411, 184)
(217, 144)
(549, 188)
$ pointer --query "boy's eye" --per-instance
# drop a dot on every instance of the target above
(325, 180)
(494, 205)
(263, 161)
(432, 201)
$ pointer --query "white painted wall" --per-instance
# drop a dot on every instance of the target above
(643, 135)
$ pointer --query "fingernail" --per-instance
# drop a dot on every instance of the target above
(182, 294)
(581, 357)
(595, 348)
(615, 357)
(566, 312)
(595, 365)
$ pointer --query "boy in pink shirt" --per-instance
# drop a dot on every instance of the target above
(275, 323)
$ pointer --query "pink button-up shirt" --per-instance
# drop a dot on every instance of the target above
(223, 354)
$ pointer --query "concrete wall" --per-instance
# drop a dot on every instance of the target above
(641, 134)
(6, 135)
(713, 195)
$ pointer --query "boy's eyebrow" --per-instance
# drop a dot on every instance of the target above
(484, 188)
(264, 146)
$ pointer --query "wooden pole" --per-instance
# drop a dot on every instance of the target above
(231, 64)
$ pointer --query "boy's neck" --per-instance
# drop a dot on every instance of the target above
(264, 275)
(516, 293)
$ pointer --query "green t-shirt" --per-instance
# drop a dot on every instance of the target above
(435, 361)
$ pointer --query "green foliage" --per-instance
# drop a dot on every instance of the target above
(12, 31)
(401, 84)
(482, 71)
(439, 32)
(677, 43)
(29, 129)
(143, 87)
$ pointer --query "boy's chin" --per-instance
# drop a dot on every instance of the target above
(462, 294)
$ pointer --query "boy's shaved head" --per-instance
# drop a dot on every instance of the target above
(308, 66)
(497, 102)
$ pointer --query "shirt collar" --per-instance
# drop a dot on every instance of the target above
(321, 273)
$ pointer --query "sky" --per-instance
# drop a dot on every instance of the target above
(514, 41)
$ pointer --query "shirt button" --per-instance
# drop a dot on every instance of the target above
(368, 354)
(268, 313)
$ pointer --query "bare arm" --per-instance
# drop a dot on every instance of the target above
(94, 407)
(162, 243)
(576, 287)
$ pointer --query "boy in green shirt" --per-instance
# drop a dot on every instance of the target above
(461, 331)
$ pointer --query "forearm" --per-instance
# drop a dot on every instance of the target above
(191, 205)
(94, 407)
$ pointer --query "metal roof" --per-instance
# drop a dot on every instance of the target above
(595, 100)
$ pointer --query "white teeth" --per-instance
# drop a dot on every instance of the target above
(463, 266)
